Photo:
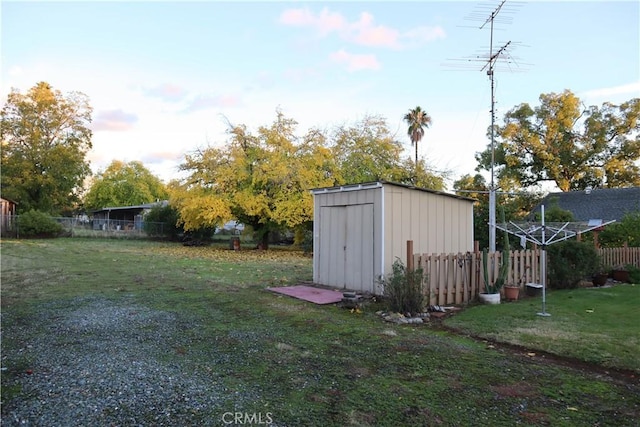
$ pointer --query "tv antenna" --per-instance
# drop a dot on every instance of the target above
(496, 58)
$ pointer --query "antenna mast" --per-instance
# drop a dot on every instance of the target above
(492, 187)
(490, 62)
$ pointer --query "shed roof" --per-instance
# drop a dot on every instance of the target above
(376, 184)
(603, 203)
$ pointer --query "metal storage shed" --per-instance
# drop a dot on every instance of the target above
(359, 230)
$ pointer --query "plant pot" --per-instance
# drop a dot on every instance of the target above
(490, 298)
(511, 293)
(621, 276)
(600, 279)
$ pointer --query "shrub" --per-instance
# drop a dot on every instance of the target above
(37, 224)
(403, 290)
(166, 215)
(304, 238)
(624, 231)
(569, 262)
(634, 273)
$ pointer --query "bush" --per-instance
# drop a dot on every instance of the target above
(624, 231)
(634, 273)
(403, 290)
(37, 224)
(569, 262)
(166, 215)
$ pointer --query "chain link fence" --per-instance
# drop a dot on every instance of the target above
(100, 228)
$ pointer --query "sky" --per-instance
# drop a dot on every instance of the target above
(166, 78)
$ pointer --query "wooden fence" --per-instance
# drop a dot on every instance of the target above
(612, 257)
(458, 278)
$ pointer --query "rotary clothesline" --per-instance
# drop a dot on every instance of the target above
(545, 234)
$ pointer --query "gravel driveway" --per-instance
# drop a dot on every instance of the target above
(96, 362)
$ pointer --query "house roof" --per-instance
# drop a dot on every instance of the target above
(136, 207)
(604, 203)
(367, 185)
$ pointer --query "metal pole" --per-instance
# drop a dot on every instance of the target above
(543, 268)
(492, 188)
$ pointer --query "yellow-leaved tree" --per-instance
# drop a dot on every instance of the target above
(262, 180)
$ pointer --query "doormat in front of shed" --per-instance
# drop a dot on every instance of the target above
(309, 293)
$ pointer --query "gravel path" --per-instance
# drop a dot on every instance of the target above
(95, 362)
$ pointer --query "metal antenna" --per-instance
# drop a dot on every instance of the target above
(490, 62)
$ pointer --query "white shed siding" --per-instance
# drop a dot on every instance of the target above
(435, 223)
(359, 231)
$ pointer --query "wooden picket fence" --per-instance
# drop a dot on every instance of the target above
(458, 278)
(611, 257)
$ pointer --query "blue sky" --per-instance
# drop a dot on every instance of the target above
(161, 76)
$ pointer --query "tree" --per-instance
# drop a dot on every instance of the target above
(45, 139)
(418, 120)
(124, 184)
(367, 152)
(421, 176)
(564, 142)
(261, 180)
(623, 232)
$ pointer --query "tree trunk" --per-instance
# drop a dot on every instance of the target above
(264, 241)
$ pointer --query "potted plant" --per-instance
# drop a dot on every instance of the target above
(491, 294)
(511, 291)
(620, 273)
(600, 277)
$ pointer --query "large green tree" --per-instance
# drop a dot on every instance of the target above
(417, 120)
(124, 184)
(45, 139)
(262, 180)
(366, 151)
(564, 142)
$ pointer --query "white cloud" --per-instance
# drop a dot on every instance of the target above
(364, 31)
(630, 90)
(355, 62)
(205, 102)
(167, 92)
(114, 120)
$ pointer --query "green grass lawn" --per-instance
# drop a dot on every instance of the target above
(310, 365)
(598, 325)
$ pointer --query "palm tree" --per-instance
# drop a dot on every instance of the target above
(418, 120)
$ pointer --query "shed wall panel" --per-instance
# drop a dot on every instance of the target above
(436, 223)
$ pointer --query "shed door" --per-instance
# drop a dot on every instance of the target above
(346, 247)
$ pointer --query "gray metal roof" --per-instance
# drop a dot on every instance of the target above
(378, 184)
(161, 203)
(603, 203)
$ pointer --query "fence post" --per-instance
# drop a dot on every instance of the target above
(409, 255)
